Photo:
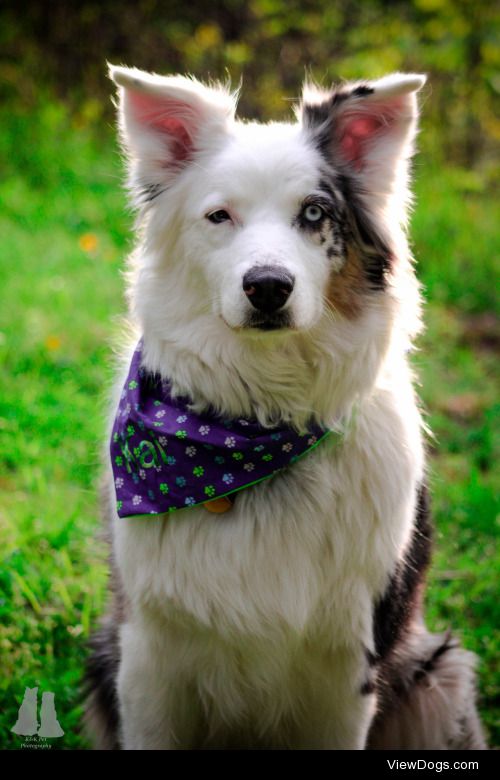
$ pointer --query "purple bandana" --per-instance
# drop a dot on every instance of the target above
(166, 457)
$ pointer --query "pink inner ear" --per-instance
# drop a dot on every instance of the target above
(357, 131)
(182, 142)
(176, 120)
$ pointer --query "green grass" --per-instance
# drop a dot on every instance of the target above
(64, 232)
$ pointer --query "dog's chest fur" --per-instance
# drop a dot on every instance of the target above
(285, 582)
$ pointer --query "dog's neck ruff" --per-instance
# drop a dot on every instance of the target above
(166, 457)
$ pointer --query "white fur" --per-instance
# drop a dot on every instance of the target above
(253, 625)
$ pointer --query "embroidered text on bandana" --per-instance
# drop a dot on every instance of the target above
(166, 457)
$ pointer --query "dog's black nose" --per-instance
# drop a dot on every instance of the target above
(268, 287)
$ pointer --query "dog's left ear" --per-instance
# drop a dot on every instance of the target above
(365, 129)
(165, 121)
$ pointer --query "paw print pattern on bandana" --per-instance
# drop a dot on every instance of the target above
(166, 457)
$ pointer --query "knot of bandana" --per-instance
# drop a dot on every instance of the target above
(166, 457)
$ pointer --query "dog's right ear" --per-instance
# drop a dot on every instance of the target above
(164, 122)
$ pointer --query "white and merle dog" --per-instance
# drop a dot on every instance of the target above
(272, 277)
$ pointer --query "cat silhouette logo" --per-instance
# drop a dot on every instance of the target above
(27, 721)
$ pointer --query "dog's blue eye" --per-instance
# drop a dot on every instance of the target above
(218, 216)
(313, 213)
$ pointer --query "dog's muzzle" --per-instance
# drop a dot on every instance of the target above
(268, 288)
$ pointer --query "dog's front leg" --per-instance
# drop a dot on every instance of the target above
(344, 728)
(340, 706)
(157, 711)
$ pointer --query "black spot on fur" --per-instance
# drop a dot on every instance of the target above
(319, 115)
(315, 115)
(362, 91)
(150, 192)
(376, 270)
(326, 186)
(397, 679)
(427, 665)
(395, 609)
(371, 658)
(319, 119)
(367, 688)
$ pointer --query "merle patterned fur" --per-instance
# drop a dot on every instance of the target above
(358, 227)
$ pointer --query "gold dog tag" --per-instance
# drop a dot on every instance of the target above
(218, 505)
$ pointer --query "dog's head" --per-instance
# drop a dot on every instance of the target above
(269, 227)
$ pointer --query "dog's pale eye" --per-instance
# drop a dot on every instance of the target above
(313, 213)
(218, 216)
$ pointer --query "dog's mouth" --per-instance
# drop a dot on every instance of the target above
(266, 322)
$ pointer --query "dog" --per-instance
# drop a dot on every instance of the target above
(271, 287)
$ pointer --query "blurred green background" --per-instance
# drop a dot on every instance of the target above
(65, 230)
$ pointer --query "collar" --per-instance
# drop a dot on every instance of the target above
(166, 457)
